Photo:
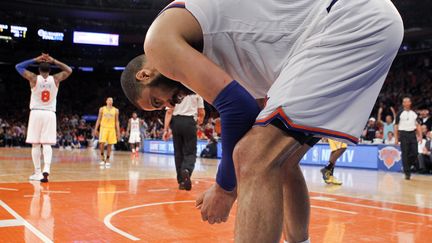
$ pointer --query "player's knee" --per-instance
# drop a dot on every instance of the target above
(244, 159)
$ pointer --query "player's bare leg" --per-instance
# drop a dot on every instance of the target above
(102, 149)
(295, 199)
(109, 148)
(260, 183)
(328, 170)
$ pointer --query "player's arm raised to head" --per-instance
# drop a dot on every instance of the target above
(22, 70)
(64, 74)
(167, 46)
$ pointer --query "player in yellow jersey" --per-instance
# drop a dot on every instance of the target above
(337, 149)
(108, 120)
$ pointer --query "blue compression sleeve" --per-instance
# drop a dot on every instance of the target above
(238, 111)
(21, 67)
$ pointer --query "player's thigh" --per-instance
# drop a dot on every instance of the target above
(49, 128)
(263, 147)
(112, 136)
(103, 135)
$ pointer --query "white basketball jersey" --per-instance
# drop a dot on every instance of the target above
(135, 125)
(252, 40)
(44, 94)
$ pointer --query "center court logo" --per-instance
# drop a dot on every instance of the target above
(390, 156)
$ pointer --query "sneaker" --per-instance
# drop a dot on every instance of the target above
(334, 181)
(326, 173)
(108, 164)
(45, 177)
(186, 180)
(182, 186)
(36, 177)
(102, 162)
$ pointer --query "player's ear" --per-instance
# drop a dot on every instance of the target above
(144, 76)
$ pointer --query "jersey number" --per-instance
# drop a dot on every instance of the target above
(45, 96)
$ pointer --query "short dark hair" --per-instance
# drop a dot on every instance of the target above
(44, 67)
(130, 85)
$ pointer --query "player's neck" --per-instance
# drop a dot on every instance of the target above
(44, 75)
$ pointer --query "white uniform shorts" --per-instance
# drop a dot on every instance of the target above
(42, 127)
(134, 137)
(332, 79)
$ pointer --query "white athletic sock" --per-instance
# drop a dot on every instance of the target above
(36, 156)
(133, 150)
(47, 152)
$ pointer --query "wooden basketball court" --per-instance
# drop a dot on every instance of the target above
(138, 200)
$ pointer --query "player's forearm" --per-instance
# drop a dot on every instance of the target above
(238, 111)
(22, 66)
(167, 120)
(62, 66)
(419, 132)
(200, 116)
(396, 132)
(97, 124)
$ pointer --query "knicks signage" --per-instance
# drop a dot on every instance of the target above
(389, 158)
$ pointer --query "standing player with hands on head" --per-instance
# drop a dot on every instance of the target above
(42, 126)
(321, 65)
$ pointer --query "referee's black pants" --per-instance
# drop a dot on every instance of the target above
(409, 148)
(184, 133)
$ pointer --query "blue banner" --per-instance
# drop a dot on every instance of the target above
(361, 156)
(378, 157)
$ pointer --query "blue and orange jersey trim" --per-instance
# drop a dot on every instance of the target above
(175, 4)
(280, 114)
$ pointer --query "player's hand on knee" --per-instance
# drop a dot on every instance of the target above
(216, 204)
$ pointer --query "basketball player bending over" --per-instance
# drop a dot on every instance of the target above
(320, 63)
(108, 120)
(133, 130)
(42, 126)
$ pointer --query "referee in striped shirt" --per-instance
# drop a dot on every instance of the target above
(408, 132)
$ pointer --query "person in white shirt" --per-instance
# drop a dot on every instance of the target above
(390, 138)
(42, 126)
(378, 138)
(183, 120)
(406, 127)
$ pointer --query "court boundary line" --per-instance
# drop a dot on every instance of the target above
(25, 223)
(380, 208)
(8, 189)
(107, 219)
(334, 209)
(360, 204)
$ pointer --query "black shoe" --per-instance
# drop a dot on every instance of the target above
(326, 173)
(45, 175)
(181, 186)
(186, 180)
(407, 177)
